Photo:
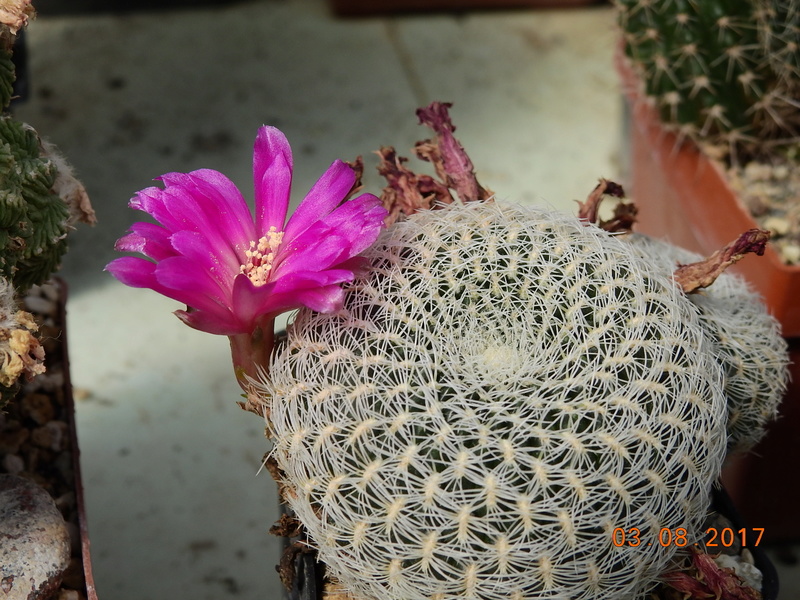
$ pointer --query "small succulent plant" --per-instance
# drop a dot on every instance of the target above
(39, 198)
(34, 220)
(719, 71)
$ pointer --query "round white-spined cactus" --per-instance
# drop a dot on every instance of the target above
(749, 346)
(503, 389)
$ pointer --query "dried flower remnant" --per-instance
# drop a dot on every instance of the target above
(624, 213)
(706, 579)
(450, 159)
(234, 272)
(407, 192)
(15, 14)
(21, 354)
(693, 277)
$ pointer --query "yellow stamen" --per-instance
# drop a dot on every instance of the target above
(261, 255)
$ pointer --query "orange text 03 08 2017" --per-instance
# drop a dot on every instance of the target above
(714, 537)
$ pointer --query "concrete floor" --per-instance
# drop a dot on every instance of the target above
(175, 507)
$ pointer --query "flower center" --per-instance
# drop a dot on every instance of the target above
(260, 256)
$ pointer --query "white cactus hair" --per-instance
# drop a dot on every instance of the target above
(747, 340)
(502, 389)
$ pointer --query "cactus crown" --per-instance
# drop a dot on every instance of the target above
(502, 390)
(719, 71)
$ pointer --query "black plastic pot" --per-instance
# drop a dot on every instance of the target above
(722, 504)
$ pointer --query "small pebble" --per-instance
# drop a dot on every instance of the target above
(34, 541)
(780, 172)
(13, 464)
(749, 573)
(50, 291)
(791, 253)
(50, 436)
(777, 225)
(38, 407)
(12, 437)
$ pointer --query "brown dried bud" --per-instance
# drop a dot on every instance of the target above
(287, 526)
(695, 276)
(624, 214)
(358, 168)
(449, 158)
(14, 14)
(704, 578)
(286, 567)
(405, 191)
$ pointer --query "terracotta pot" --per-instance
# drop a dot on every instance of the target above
(684, 197)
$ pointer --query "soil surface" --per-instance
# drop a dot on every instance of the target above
(771, 192)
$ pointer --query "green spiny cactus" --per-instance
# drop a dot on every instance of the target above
(748, 342)
(779, 29)
(34, 220)
(721, 71)
(503, 389)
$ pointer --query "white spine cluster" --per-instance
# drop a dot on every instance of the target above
(748, 343)
(502, 390)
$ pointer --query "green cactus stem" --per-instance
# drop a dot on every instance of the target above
(718, 71)
(37, 190)
(33, 218)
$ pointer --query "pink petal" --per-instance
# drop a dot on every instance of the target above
(191, 284)
(272, 179)
(221, 202)
(148, 239)
(348, 230)
(317, 249)
(197, 249)
(140, 273)
(151, 201)
(326, 194)
(192, 209)
(203, 201)
(217, 324)
(133, 271)
(325, 299)
(251, 301)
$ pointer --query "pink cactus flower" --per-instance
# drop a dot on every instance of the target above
(235, 273)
